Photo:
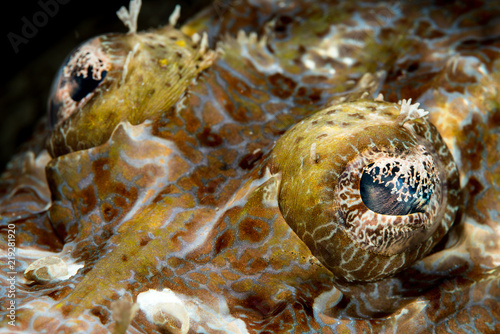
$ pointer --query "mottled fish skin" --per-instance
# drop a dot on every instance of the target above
(230, 202)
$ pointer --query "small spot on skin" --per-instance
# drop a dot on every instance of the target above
(145, 239)
(208, 138)
(323, 135)
(253, 230)
(357, 115)
(167, 190)
(88, 198)
(101, 313)
(181, 43)
(224, 241)
(66, 309)
(249, 160)
(283, 86)
(108, 211)
(60, 294)
(163, 63)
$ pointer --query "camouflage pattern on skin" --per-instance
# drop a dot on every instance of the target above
(180, 217)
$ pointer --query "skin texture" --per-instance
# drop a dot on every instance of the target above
(214, 185)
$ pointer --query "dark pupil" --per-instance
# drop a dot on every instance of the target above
(81, 85)
(378, 198)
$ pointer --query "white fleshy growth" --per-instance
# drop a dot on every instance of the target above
(73, 268)
(313, 155)
(195, 38)
(204, 43)
(46, 270)
(174, 17)
(164, 309)
(129, 17)
(130, 55)
(409, 112)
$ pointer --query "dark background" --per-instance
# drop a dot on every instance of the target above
(27, 74)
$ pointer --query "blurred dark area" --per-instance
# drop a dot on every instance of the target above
(33, 56)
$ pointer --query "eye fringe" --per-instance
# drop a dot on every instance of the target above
(416, 173)
(379, 197)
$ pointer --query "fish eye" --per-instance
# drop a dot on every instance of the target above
(372, 208)
(397, 188)
(83, 71)
(82, 83)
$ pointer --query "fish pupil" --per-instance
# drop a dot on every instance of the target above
(82, 85)
(380, 195)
